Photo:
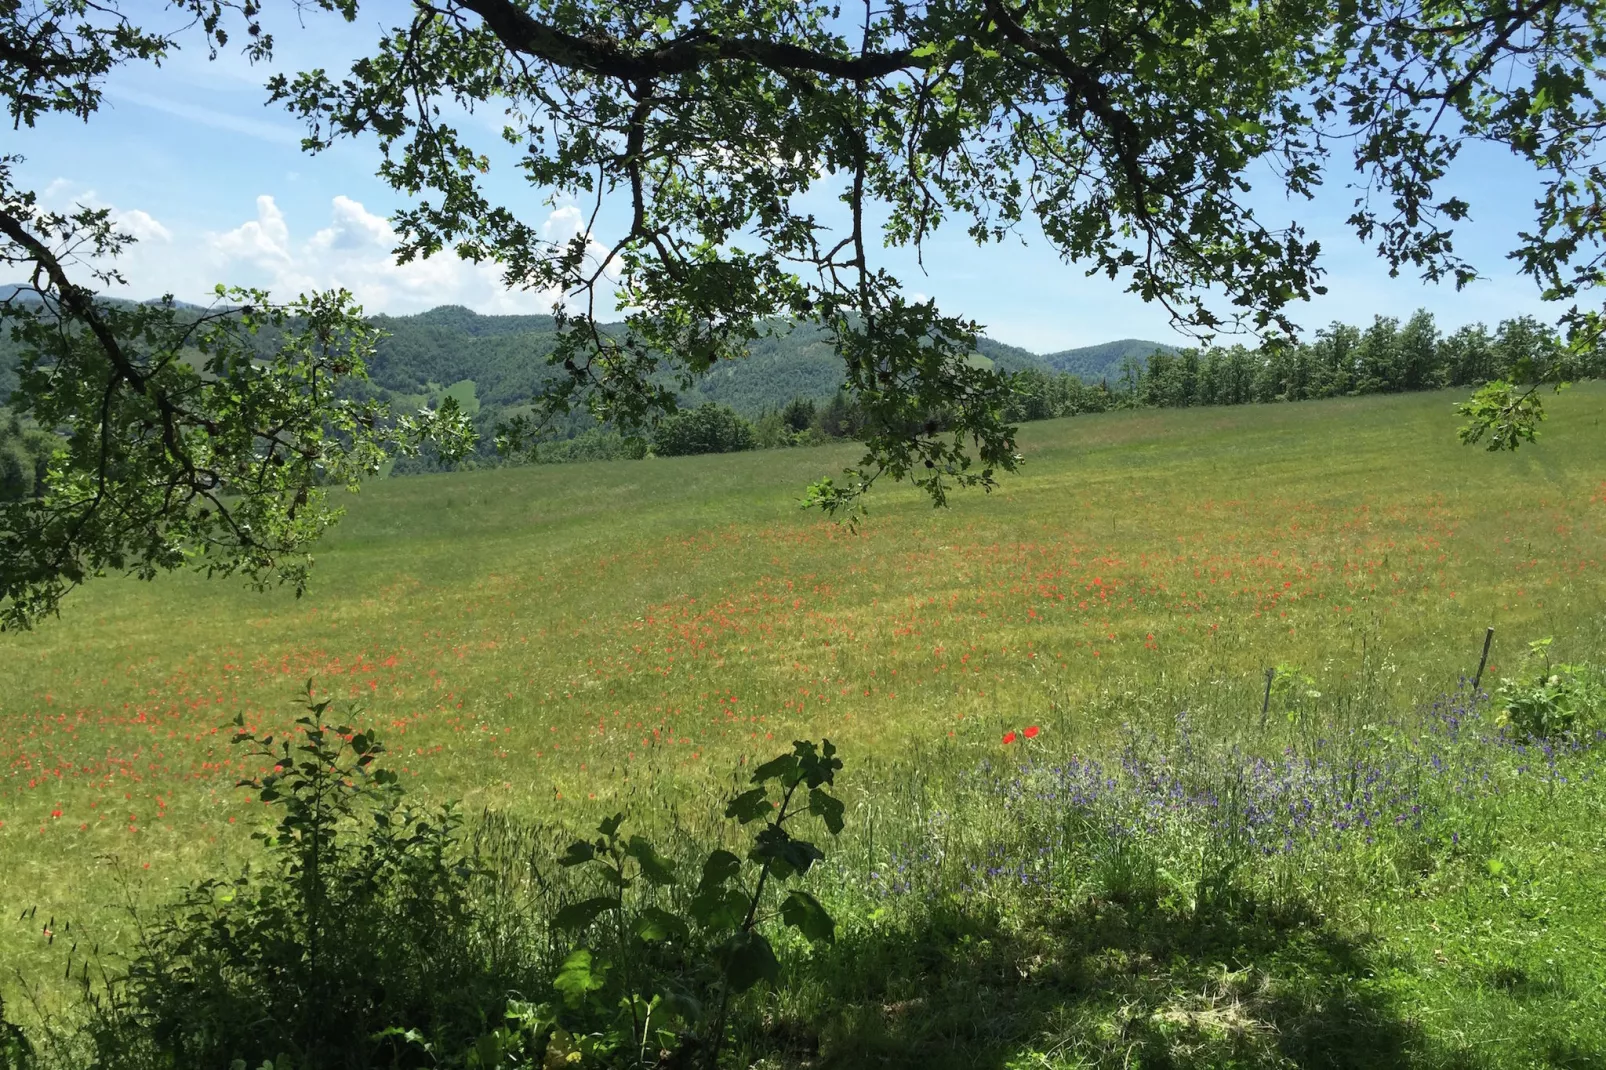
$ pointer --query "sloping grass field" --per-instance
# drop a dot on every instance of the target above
(553, 644)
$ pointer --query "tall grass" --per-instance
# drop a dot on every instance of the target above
(548, 645)
(1187, 897)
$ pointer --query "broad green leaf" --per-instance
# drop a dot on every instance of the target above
(805, 914)
(827, 808)
(720, 867)
(579, 853)
(818, 768)
(655, 925)
(488, 1049)
(719, 908)
(750, 805)
(785, 854)
(776, 768)
(579, 976)
(579, 915)
(653, 867)
(749, 959)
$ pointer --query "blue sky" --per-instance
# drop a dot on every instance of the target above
(217, 189)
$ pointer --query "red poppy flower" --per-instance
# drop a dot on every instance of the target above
(55, 813)
(1009, 737)
(1031, 731)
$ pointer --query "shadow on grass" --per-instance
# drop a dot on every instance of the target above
(1105, 983)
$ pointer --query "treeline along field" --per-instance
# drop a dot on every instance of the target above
(554, 643)
(789, 389)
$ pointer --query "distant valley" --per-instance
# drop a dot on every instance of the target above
(503, 356)
(494, 365)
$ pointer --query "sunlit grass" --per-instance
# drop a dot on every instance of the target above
(552, 641)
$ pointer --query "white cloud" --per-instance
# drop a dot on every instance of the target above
(351, 251)
(63, 195)
(152, 256)
(265, 239)
(142, 225)
(354, 252)
(354, 227)
(564, 223)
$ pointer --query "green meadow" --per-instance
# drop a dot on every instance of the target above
(547, 645)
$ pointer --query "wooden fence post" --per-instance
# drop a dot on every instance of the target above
(1488, 637)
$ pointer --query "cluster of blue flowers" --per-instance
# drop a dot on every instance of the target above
(1183, 800)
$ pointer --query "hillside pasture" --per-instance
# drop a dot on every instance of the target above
(556, 642)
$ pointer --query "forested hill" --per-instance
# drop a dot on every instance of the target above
(494, 364)
(1093, 363)
(503, 355)
(787, 391)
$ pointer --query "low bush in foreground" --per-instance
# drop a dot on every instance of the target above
(1367, 894)
(1552, 700)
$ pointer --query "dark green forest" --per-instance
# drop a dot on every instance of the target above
(24, 457)
(494, 365)
(504, 357)
(789, 388)
(788, 392)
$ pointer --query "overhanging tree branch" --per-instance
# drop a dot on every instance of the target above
(603, 55)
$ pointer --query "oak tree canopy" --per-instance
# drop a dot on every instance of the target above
(1128, 134)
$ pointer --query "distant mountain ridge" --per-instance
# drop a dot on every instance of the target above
(451, 342)
(8, 290)
(1105, 359)
(30, 295)
(499, 362)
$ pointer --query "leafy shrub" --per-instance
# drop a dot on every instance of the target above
(593, 444)
(770, 432)
(652, 982)
(367, 939)
(1291, 691)
(354, 946)
(25, 457)
(798, 415)
(709, 428)
(1556, 700)
(15, 1051)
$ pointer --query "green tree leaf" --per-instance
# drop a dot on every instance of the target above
(805, 914)
(579, 915)
(749, 959)
(579, 976)
(750, 805)
(654, 868)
